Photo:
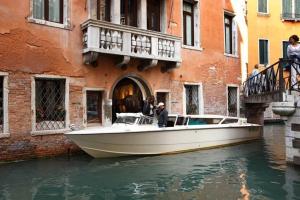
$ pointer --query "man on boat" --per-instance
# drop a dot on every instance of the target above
(162, 114)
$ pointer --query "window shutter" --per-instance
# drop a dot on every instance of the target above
(266, 59)
(262, 6)
(287, 9)
(263, 52)
(285, 44)
(234, 37)
(297, 9)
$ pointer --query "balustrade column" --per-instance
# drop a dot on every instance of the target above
(142, 14)
(115, 11)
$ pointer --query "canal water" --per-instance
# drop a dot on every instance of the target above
(255, 170)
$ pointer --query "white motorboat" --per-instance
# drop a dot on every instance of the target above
(136, 134)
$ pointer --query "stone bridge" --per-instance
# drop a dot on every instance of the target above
(278, 85)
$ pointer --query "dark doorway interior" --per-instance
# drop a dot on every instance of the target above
(94, 107)
(127, 98)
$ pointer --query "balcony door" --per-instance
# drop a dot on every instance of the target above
(153, 15)
(129, 12)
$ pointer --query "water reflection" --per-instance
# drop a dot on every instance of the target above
(250, 171)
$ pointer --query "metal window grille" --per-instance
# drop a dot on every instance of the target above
(192, 99)
(1, 105)
(232, 101)
(50, 104)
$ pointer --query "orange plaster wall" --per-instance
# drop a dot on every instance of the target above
(35, 48)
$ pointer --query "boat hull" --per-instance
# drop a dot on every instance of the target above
(162, 141)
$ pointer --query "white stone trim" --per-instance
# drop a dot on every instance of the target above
(50, 132)
(192, 47)
(238, 98)
(5, 133)
(200, 97)
(231, 55)
(67, 19)
(33, 108)
(84, 119)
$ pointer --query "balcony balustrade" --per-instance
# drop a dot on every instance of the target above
(100, 37)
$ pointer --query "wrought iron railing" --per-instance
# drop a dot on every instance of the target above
(282, 76)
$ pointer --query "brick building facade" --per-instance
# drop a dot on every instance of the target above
(79, 62)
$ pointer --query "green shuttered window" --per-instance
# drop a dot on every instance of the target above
(263, 6)
(263, 52)
(291, 9)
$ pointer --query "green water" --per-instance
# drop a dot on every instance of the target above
(255, 170)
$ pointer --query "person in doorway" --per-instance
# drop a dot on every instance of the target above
(293, 53)
(148, 107)
(162, 114)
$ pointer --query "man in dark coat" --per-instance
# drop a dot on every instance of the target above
(162, 115)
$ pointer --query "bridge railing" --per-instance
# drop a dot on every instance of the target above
(274, 80)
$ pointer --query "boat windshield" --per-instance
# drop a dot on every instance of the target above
(126, 120)
(204, 121)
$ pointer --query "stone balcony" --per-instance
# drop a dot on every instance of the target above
(126, 42)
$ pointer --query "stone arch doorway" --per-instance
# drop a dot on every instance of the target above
(128, 96)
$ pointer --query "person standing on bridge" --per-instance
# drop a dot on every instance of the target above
(293, 53)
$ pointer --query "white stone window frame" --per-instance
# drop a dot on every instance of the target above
(200, 97)
(238, 98)
(263, 13)
(197, 32)
(67, 20)
(34, 132)
(235, 35)
(85, 89)
(168, 106)
(5, 133)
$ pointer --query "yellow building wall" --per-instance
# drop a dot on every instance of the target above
(270, 27)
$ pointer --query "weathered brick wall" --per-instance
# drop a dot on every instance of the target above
(22, 144)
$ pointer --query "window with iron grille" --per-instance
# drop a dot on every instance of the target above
(1, 105)
(232, 101)
(290, 9)
(192, 99)
(50, 104)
